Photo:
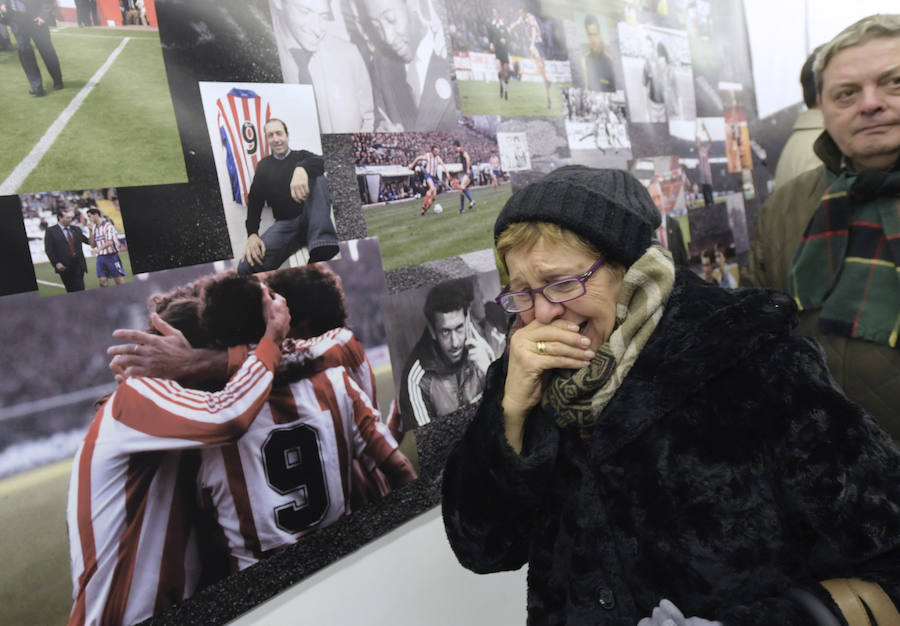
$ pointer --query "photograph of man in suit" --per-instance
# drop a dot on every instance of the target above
(62, 243)
(669, 232)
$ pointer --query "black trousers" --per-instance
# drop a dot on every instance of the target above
(92, 10)
(313, 228)
(83, 13)
(73, 279)
(25, 31)
(708, 199)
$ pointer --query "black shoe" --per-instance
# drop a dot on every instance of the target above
(38, 92)
(58, 85)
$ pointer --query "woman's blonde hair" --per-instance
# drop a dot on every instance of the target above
(525, 234)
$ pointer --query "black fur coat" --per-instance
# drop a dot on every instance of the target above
(727, 468)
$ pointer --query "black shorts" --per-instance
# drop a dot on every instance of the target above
(502, 54)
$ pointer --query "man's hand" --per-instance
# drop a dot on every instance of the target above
(480, 351)
(299, 184)
(398, 469)
(277, 315)
(60, 267)
(255, 250)
(385, 125)
(161, 356)
(38, 21)
(94, 251)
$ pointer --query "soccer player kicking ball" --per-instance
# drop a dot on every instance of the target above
(433, 165)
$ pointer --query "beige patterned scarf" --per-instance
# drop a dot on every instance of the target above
(579, 396)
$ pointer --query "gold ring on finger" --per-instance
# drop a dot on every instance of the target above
(541, 347)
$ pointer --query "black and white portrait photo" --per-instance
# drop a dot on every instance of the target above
(659, 81)
(375, 65)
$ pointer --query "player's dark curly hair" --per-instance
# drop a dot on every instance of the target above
(181, 307)
(314, 297)
(232, 309)
(450, 295)
(182, 311)
(159, 301)
(185, 314)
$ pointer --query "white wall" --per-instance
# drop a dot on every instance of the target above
(784, 32)
(409, 577)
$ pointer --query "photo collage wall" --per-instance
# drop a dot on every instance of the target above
(414, 121)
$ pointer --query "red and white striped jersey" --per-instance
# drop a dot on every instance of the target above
(333, 348)
(432, 164)
(336, 347)
(105, 238)
(131, 499)
(291, 473)
(534, 29)
(241, 116)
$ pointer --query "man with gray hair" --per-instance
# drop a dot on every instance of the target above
(831, 236)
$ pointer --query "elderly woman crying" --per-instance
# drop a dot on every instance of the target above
(654, 446)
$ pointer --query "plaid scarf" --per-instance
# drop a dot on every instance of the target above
(847, 261)
(579, 396)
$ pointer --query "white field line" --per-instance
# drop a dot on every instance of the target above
(50, 283)
(25, 167)
(64, 33)
(45, 404)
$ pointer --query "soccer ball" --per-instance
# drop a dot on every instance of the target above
(438, 208)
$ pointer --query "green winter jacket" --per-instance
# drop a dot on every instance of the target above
(868, 372)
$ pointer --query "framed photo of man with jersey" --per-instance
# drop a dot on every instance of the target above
(269, 163)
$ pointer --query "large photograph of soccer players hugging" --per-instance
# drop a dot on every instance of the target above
(285, 210)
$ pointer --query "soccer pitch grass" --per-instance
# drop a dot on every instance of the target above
(408, 238)
(49, 283)
(525, 99)
(124, 133)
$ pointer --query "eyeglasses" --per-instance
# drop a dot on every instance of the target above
(557, 291)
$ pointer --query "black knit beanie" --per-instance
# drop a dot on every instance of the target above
(609, 208)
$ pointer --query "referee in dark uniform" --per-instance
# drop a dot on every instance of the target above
(28, 20)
